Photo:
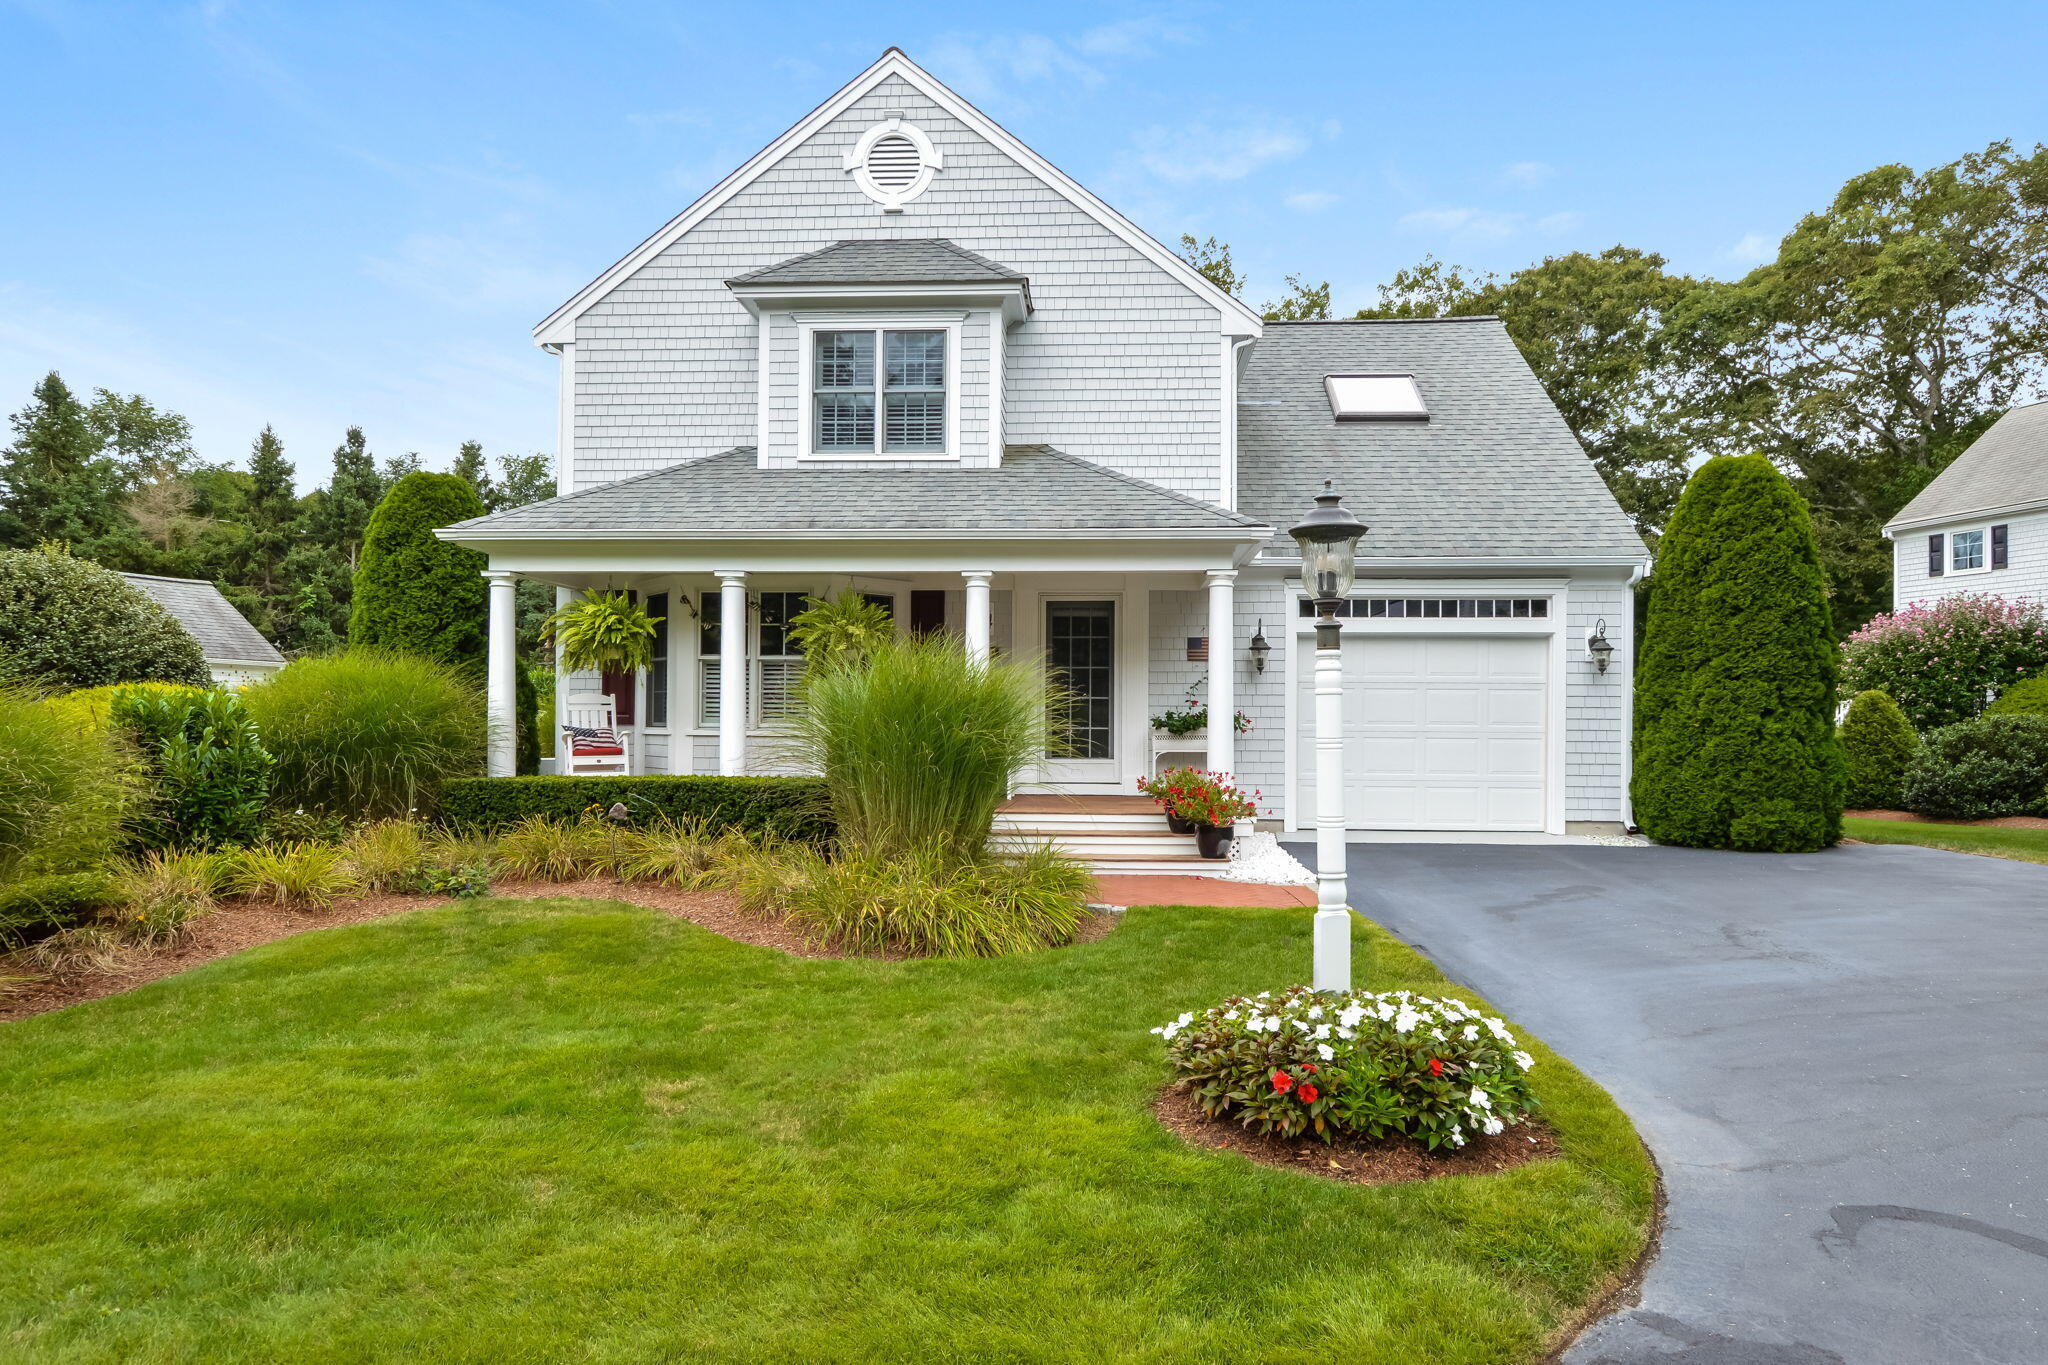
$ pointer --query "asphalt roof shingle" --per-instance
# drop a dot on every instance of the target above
(223, 633)
(1494, 472)
(2005, 467)
(1037, 488)
(921, 260)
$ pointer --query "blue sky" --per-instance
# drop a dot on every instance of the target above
(319, 214)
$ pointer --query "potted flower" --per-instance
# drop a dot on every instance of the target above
(1166, 788)
(1192, 718)
(1213, 805)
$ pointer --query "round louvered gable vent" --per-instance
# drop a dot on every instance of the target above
(893, 162)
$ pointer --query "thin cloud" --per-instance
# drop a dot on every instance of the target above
(1194, 152)
(1001, 66)
(473, 270)
(1311, 201)
(1485, 225)
(1754, 249)
(1133, 37)
(1528, 174)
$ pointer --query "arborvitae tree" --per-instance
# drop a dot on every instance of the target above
(56, 484)
(1877, 744)
(471, 466)
(414, 592)
(1735, 687)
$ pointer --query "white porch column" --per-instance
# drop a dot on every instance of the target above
(732, 672)
(501, 705)
(1333, 921)
(1222, 670)
(979, 624)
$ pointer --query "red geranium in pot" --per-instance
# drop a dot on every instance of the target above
(1213, 805)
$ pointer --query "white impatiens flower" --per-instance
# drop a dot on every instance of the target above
(1493, 1126)
(1325, 1051)
(1350, 1015)
(1524, 1060)
(1481, 1098)
(1322, 1032)
(1315, 1011)
(1471, 1034)
(1406, 1020)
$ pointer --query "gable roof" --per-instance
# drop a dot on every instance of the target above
(224, 634)
(557, 326)
(1493, 474)
(2004, 470)
(1037, 490)
(920, 260)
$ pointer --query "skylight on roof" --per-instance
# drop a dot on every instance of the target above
(1375, 398)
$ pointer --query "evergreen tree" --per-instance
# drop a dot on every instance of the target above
(1877, 745)
(1735, 687)
(321, 564)
(471, 466)
(414, 592)
(269, 513)
(56, 484)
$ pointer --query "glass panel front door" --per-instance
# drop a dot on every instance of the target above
(1080, 649)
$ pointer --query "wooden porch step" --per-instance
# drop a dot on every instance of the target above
(1060, 803)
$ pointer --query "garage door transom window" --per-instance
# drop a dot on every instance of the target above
(1441, 608)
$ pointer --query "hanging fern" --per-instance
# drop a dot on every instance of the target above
(846, 629)
(608, 632)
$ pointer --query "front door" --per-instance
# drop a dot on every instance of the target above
(1080, 653)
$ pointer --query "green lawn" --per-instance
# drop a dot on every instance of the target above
(578, 1130)
(2026, 845)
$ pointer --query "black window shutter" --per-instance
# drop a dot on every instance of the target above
(1998, 547)
(1934, 564)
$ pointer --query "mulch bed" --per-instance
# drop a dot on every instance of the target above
(1353, 1160)
(1996, 822)
(240, 924)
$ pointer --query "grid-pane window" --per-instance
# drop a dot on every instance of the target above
(909, 388)
(1966, 550)
(780, 665)
(657, 668)
(708, 607)
(1080, 648)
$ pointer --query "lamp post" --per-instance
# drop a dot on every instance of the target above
(1328, 538)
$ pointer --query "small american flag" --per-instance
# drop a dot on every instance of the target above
(1198, 649)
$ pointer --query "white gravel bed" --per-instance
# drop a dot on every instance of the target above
(1259, 858)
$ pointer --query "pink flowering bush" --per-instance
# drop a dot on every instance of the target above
(1942, 662)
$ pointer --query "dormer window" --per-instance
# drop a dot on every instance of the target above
(881, 391)
(1375, 398)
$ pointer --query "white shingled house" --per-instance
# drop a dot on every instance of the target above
(1982, 525)
(899, 353)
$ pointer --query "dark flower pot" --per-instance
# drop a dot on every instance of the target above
(1214, 840)
(1179, 824)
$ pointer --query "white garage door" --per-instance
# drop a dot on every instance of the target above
(1440, 732)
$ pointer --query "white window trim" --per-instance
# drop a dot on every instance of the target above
(952, 324)
(698, 659)
(645, 676)
(1949, 551)
(930, 160)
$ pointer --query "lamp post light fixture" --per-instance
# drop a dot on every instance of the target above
(1329, 538)
(1599, 646)
(1259, 648)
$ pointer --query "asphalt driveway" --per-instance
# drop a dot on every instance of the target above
(1839, 1059)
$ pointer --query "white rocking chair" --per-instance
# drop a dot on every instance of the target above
(591, 742)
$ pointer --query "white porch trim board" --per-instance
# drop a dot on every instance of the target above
(979, 625)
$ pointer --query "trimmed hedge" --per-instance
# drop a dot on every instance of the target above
(37, 907)
(1735, 682)
(70, 623)
(1877, 744)
(784, 807)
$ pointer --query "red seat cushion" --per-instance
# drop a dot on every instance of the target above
(596, 751)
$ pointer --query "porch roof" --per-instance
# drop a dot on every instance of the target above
(1036, 491)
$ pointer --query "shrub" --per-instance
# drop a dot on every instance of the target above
(415, 594)
(546, 850)
(792, 808)
(1942, 660)
(70, 623)
(36, 907)
(368, 732)
(1877, 744)
(680, 853)
(2028, 697)
(1320, 1063)
(295, 875)
(919, 744)
(66, 790)
(1979, 769)
(89, 706)
(162, 893)
(212, 773)
(1735, 688)
(923, 903)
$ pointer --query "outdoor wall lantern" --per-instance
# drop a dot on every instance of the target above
(1328, 537)
(1599, 646)
(1259, 648)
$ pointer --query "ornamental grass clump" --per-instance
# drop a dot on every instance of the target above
(1310, 1063)
(368, 733)
(67, 789)
(297, 875)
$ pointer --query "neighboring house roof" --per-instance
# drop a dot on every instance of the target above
(2004, 470)
(224, 634)
(1037, 489)
(1493, 474)
(1238, 319)
(921, 260)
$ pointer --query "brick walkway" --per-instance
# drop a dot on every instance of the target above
(1127, 890)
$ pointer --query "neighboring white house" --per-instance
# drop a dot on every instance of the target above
(1982, 525)
(236, 651)
(898, 353)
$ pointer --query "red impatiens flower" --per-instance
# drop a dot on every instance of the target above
(1308, 1094)
(1282, 1082)
(1309, 1067)
(1436, 1068)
